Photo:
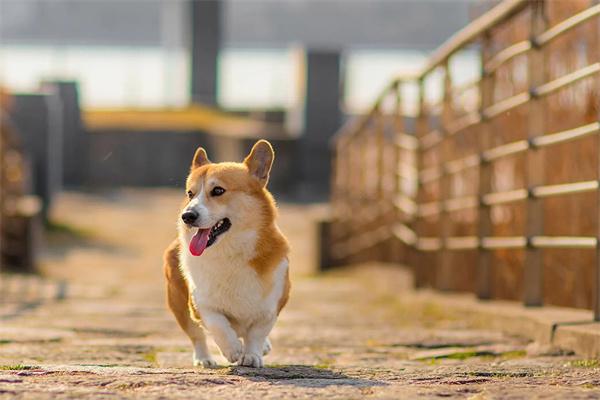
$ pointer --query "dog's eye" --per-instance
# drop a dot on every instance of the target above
(217, 191)
(190, 194)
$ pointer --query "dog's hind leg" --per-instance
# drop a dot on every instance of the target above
(177, 298)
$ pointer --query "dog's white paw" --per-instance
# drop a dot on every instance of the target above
(267, 347)
(251, 360)
(234, 352)
(204, 362)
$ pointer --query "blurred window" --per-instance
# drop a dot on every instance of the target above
(369, 71)
(108, 76)
(256, 78)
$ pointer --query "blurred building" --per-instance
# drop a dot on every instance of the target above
(136, 52)
(240, 55)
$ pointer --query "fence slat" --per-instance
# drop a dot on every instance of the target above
(560, 28)
(421, 129)
(567, 135)
(484, 223)
(507, 54)
(444, 261)
(595, 56)
(494, 199)
(533, 278)
(565, 80)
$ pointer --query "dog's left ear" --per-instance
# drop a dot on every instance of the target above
(260, 160)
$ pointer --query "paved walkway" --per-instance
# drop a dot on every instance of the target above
(350, 334)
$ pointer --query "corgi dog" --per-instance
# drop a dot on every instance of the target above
(227, 271)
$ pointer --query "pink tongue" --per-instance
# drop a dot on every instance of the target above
(199, 241)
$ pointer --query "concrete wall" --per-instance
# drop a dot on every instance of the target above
(322, 117)
(74, 137)
(283, 175)
(130, 158)
(38, 120)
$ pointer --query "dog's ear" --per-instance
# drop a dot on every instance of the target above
(200, 158)
(260, 160)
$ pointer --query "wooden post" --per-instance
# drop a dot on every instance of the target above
(533, 281)
(484, 228)
(351, 181)
(417, 265)
(444, 263)
(336, 196)
(596, 57)
(2, 200)
(380, 250)
(365, 195)
(398, 252)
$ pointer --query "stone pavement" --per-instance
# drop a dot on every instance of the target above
(353, 333)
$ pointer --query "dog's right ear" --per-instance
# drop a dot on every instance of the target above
(200, 158)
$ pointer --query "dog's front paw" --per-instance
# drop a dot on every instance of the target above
(251, 360)
(205, 362)
(267, 347)
(234, 352)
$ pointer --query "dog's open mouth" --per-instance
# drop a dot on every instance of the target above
(206, 237)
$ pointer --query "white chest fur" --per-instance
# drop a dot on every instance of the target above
(225, 283)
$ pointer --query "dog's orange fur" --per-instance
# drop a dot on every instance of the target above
(178, 296)
(271, 246)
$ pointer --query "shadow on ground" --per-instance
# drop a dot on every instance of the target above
(302, 376)
(62, 238)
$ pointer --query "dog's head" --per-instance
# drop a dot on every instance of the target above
(226, 199)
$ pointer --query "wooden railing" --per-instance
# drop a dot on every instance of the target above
(459, 190)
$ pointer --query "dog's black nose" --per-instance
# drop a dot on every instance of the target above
(189, 217)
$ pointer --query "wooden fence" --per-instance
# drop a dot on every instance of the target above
(489, 184)
(19, 211)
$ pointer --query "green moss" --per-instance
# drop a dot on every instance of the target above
(592, 363)
(434, 311)
(514, 354)
(100, 365)
(502, 374)
(63, 228)
(462, 355)
(150, 357)
(16, 367)
(275, 365)
(588, 386)
(468, 353)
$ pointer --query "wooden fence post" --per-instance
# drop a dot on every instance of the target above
(365, 194)
(381, 198)
(397, 157)
(444, 262)
(421, 123)
(596, 57)
(2, 200)
(484, 228)
(533, 275)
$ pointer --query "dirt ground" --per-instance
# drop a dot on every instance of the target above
(96, 325)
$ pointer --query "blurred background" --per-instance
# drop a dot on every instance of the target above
(103, 103)
(122, 74)
(452, 144)
(100, 95)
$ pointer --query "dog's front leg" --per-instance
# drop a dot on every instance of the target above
(225, 337)
(254, 343)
